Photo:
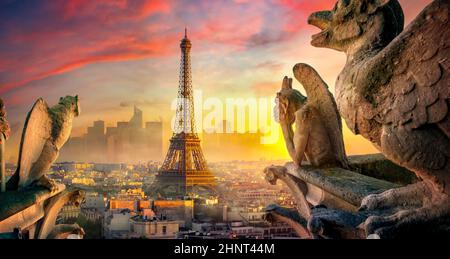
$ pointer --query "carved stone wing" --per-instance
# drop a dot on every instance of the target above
(412, 73)
(323, 100)
(37, 130)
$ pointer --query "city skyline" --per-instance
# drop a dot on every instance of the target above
(212, 143)
(129, 141)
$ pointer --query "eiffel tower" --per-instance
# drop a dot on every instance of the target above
(184, 166)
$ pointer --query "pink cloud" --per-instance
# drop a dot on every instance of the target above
(131, 51)
(114, 10)
(229, 26)
(297, 11)
(85, 32)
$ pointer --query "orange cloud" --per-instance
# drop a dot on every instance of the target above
(113, 10)
(68, 35)
(266, 88)
(131, 51)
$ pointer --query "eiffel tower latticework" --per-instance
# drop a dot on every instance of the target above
(184, 165)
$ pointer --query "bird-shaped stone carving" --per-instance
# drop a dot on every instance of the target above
(394, 90)
(45, 132)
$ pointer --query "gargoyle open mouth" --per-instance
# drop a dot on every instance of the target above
(322, 21)
(318, 39)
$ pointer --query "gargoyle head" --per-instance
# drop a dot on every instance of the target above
(71, 102)
(288, 102)
(358, 24)
(77, 230)
(77, 198)
(4, 126)
(2, 109)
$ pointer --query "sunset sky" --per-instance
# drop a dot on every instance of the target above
(116, 54)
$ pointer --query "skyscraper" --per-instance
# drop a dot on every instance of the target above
(128, 142)
(137, 120)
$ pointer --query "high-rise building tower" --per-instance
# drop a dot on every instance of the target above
(137, 120)
(184, 166)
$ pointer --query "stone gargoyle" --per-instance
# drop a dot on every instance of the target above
(394, 91)
(318, 133)
(4, 126)
(32, 201)
(45, 132)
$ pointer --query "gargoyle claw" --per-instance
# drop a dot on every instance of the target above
(48, 183)
(362, 208)
(374, 224)
(369, 202)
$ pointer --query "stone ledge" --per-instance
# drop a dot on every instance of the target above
(12, 202)
(377, 166)
(333, 195)
(347, 185)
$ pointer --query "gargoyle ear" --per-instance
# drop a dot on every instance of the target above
(382, 2)
(61, 99)
(373, 5)
(287, 83)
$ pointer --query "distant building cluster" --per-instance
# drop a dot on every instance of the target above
(132, 215)
(128, 142)
(119, 203)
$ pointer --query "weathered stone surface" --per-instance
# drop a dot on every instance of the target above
(37, 209)
(298, 188)
(342, 191)
(336, 188)
(24, 209)
(394, 91)
(275, 213)
(318, 134)
(33, 201)
(323, 222)
(377, 166)
(11, 202)
(47, 227)
(4, 125)
(331, 223)
(347, 185)
(45, 132)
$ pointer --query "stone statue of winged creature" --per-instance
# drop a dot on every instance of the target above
(45, 132)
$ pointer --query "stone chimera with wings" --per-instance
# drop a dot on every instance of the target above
(45, 132)
(394, 90)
